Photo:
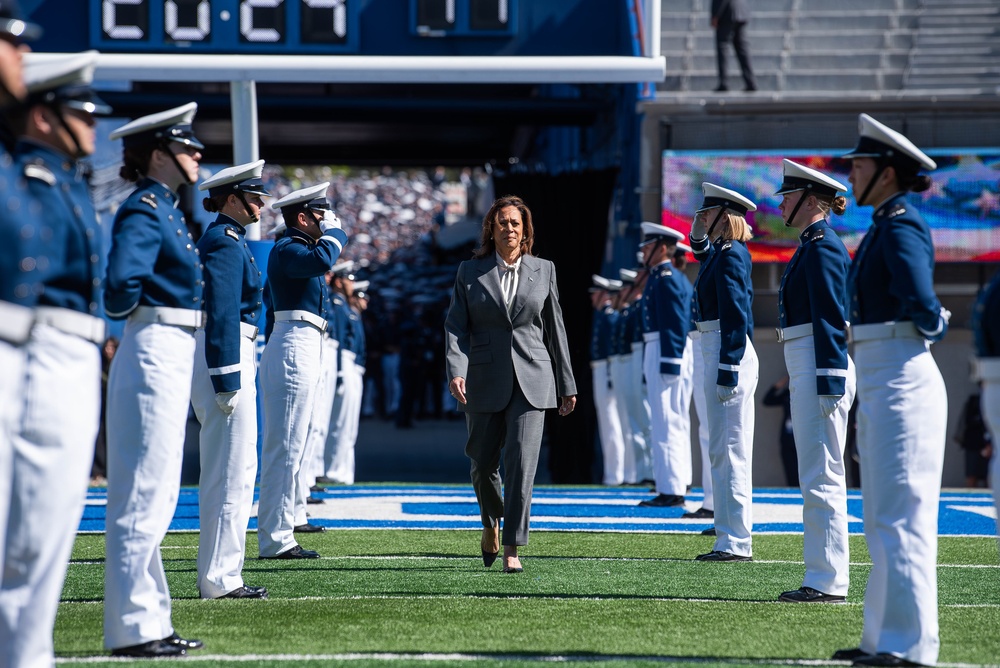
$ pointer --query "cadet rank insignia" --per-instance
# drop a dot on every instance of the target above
(231, 233)
(149, 198)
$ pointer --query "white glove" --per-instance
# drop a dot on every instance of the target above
(698, 230)
(227, 401)
(340, 385)
(725, 392)
(329, 222)
(945, 315)
(828, 404)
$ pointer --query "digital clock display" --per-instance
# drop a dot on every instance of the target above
(225, 26)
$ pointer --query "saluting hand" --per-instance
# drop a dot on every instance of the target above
(567, 404)
(457, 389)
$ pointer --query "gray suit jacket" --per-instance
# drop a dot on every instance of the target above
(488, 347)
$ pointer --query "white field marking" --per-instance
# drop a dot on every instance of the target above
(985, 511)
(422, 557)
(432, 657)
(390, 508)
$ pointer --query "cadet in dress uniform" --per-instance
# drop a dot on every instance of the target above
(986, 327)
(346, 414)
(812, 310)
(903, 410)
(605, 401)
(19, 252)
(668, 365)
(224, 392)
(340, 330)
(632, 395)
(706, 511)
(52, 458)
(154, 279)
(319, 425)
(724, 296)
(292, 360)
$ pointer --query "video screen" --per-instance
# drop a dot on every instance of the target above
(962, 207)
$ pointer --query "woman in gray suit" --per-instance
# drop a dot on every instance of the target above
(508, 360)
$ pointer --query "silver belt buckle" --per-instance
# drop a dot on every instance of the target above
(780, 334)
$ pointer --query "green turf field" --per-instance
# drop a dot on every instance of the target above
(394, 597)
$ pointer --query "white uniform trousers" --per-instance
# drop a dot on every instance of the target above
(53, 450)
(289, 378)
(638, 409)
(619, 367)
(12, 373)
(670, 410)
(902, 422)
(319, 425)
(701, 410)
(228, 449)
(345, 420)
(730, 447)
(819, 443)
(149, 395)
(609, 426)
(990, 405)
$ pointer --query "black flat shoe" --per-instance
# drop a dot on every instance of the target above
(247, 591)
(187, 644)
(489, 558)
(153, 649)
(314, 500)
(718, 555)
(710, 531)
(700, 514)
(810, 595)
(309, 528)
(851, 654)
(509, 569)
(295, 553)
(663, 501)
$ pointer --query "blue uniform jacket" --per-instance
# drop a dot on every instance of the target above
(295, 270)
(233, 295)
(620, 344)
(67, 225)
(600, 344)
(20, 249)
(634, 327)
(892, 276)
(153, 259)
(725, 293)
(338, 320)
(358, 338)
(668, 312)
(986, 320)
(814, 290)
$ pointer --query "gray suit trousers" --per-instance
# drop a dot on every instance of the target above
(517, 430)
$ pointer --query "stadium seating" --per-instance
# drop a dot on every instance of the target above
(815, 46)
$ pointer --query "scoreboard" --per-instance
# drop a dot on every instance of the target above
(278, 26)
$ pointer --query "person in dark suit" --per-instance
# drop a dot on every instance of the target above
(729, 20)
(508, 360)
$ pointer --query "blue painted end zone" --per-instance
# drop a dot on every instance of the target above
(560, 509)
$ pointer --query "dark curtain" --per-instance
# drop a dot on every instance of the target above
(570, 213)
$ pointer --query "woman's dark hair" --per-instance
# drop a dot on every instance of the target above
(486, 244)
(837, 204)
(912, 181)
(136, 162)
(214, 204)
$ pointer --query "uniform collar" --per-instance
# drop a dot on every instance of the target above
(884, 206)
(295, 232)
(158, 188)
(50, 154)
(223, 219)
(812, 230)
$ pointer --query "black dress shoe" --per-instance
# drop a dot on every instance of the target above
(314, 500)
(295, 553)
(883, 659)
(716, 555)
(810, 595)
(187, 644)
(710, 531)
(513, 569)
(663, 501)
(700, 514)
(150, 650)
(851, 654)
(247, 591)
(309, 528)
(721, 88)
